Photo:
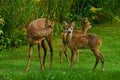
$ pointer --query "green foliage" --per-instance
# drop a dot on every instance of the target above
(1, 32)
(102, 10)
(17, 14)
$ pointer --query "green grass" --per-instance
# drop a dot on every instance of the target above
(13, 61)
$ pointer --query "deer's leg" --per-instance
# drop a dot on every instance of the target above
(98, 56)
(29, 57)
(102, 60)
(65, 52)
(49, 40)
(97, 60)
(40, 56)
(78, 55)
(74, 52)
(63, 48)
(61, 51)
(45, 51)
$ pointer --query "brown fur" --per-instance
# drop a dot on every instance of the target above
(76, 41)
(85, 26)
(37, 31)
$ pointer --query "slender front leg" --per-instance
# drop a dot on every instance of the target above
(65, 52)
(78, 51)
(63, 48)
(73, 58)
(40, 56)
(29, 57)
(61, 51)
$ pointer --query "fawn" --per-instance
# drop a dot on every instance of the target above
(85, 26)
(76, 41)
(37, 31)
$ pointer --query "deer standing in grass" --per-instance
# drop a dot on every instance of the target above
(85, 26)
(37, 31)
(76, 41)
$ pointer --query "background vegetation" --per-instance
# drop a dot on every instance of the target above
(15, 15)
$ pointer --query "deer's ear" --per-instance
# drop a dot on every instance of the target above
(73, 24)
(86, 18)
(52, 23)
(65, 23)
(46, 22)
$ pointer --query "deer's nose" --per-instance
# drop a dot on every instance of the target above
(69, 31)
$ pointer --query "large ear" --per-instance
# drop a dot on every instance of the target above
(73, 24)
(52, 24)
(65, 23)
(86, 19)
(46, 22)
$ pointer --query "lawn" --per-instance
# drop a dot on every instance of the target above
(13, 61)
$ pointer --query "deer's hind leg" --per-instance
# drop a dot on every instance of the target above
(40, 56)
(98, 56)
(45, 51)
(49, 40)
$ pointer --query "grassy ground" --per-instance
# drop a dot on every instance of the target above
(13, 62)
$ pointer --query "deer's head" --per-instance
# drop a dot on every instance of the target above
(85, 22)
(69, 27)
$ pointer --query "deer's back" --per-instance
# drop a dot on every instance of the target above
(37, 24)
(77, 32)
(94, 40)
(37, 30)
(85, 40)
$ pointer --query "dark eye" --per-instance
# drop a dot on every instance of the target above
(66, 28)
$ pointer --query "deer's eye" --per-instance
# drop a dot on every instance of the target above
(66, 27)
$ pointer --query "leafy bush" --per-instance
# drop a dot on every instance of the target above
(1, 32)
(17, 14)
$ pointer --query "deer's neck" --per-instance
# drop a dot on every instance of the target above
(68, 37)
(84, 30)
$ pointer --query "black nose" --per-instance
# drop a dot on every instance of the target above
(69, 31)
